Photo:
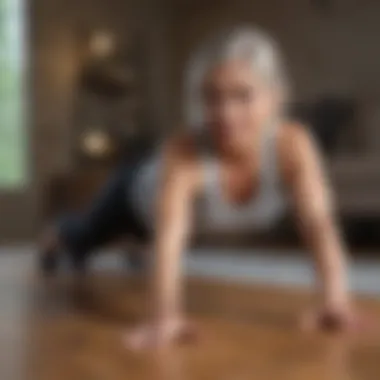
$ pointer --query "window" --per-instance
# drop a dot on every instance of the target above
(12, 131)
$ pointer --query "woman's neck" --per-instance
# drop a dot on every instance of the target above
(242, 155)
(245, 152)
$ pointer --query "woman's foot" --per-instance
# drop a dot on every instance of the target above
(49, 258)
(49, 263)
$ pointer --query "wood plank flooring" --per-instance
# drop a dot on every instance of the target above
(63, 330)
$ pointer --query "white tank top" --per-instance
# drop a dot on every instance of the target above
(214, 214)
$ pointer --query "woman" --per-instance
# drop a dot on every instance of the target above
(238, 160)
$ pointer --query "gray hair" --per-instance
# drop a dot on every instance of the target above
(245, 43)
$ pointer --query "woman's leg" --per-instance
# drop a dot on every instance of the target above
(107, 219)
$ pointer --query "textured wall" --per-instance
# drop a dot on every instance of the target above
(54, 29)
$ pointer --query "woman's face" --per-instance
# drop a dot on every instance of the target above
(236, 104)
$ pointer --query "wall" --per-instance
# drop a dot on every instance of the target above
(335, 50)
(54, 27)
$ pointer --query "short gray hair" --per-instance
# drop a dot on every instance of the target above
(244, 43)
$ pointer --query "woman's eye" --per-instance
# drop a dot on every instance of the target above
(211, 96)
(243, 95)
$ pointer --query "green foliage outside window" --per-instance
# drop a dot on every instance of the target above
(12, 121)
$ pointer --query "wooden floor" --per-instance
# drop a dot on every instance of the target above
(66, 331)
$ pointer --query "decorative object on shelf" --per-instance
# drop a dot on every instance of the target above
(108, 95)
(106, 71)
(102, 44)
(97, 144)
(108, 80)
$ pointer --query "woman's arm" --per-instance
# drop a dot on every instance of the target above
(314, 210)
(174, 211)
(172, 226)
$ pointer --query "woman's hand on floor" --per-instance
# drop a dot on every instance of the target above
(160, 333)
(335, 319)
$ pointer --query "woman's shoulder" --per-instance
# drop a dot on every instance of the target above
(295, 144)
(182, 145)
(294, 134)
(293, 129)
(181, 158)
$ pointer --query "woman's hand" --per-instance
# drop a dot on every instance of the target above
(314, 208)
(342, 318)
(157, 334)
